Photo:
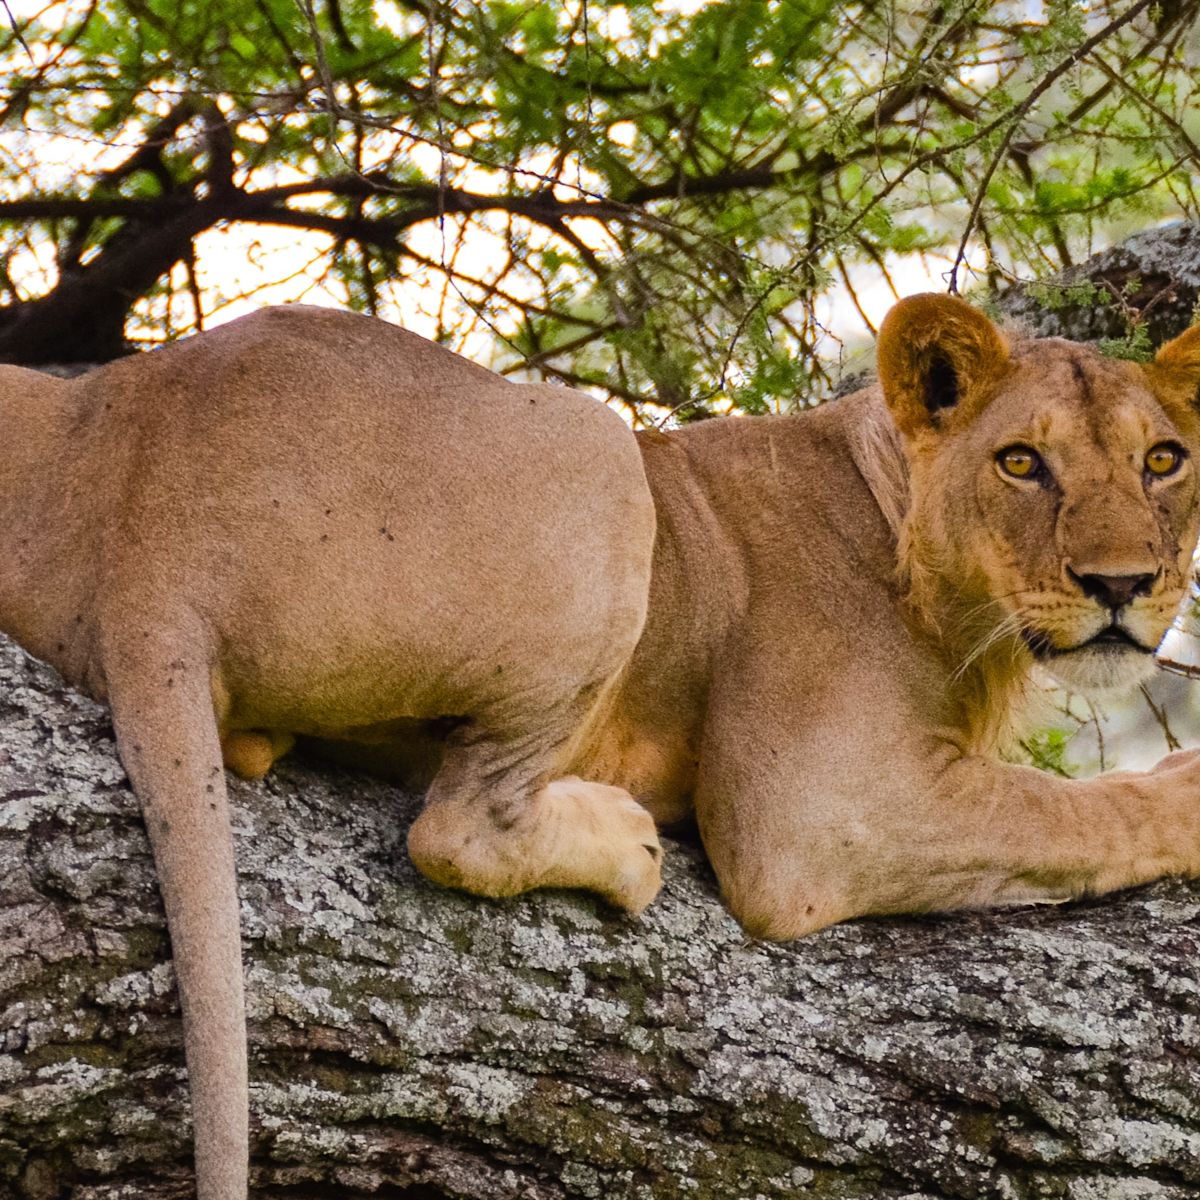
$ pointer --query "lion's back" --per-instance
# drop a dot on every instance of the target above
(316, 475)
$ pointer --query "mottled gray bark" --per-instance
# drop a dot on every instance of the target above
(1152, 277)
(412, 1042)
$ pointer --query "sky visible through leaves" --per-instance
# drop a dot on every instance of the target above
(680, 206)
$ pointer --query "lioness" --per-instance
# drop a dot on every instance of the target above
(808, 630)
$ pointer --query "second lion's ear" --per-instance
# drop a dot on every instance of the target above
(937, 356)
(1175, 372)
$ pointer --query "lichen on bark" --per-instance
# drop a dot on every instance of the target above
(408, 1041)
(1151, 279)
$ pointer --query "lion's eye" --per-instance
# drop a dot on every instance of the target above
(1021, 462)
(1164, 459)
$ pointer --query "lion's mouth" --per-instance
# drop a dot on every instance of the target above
(1115, 635)
(1114, 638)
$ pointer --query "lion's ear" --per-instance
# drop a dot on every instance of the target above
(1175, 371)
(937, 355)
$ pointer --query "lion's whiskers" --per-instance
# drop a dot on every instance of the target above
(1008, 626)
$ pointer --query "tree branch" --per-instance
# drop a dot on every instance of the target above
(1010, 122)
(411, 1041)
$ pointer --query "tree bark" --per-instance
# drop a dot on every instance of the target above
(408, 1041)
(1152, 278)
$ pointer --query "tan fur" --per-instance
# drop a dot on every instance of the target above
(808, 631)
(838, 629)
(250, 754)
(311, 523)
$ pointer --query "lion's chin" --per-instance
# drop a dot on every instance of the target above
(1099, 671)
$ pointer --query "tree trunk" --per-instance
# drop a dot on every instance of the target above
(411, 1042)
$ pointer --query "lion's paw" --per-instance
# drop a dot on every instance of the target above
(604, 841)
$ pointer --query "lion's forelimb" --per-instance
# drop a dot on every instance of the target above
(812, 821)
(964, 833)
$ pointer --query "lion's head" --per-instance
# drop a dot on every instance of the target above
(1053, 493)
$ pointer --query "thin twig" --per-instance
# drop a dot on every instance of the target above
(587, 73)
(331, 105)
(1160, 715)
(17, 32)
(1015, 117)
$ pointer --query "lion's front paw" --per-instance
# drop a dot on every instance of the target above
(604, 841)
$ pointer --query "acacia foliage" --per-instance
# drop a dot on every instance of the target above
(647, 197)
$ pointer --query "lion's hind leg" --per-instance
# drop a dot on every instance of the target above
(496, 824)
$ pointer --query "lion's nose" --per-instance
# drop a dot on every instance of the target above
(1113, 591)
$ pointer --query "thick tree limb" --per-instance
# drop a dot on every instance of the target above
(83, 318)
(1152, 278)
(413, 1042)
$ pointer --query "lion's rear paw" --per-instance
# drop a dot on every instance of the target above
(571, 834)
(606, 842)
